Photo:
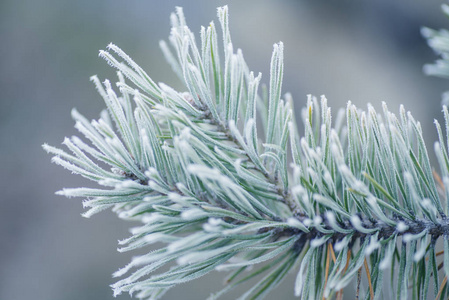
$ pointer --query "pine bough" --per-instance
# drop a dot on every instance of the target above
(221, 180)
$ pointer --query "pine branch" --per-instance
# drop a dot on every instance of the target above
(350, 194)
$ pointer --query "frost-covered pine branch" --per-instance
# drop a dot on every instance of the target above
(220, 175)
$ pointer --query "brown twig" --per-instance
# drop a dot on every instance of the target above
(328, 258)
(332, 252)
(368, 275)
(436, 254)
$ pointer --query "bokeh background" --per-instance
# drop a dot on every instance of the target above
(363, 51)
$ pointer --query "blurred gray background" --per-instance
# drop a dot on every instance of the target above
(363, 51)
